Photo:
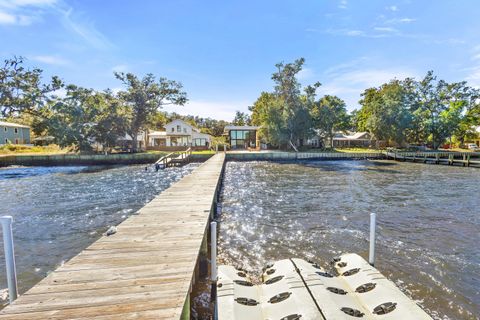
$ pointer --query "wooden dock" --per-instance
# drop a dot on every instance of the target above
(143, 271)
(177, 158)
(448, 158)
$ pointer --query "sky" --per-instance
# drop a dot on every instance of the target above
(224, 52)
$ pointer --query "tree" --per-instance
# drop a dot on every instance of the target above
(241, 119)
(68, 120)
(294, 114)
(385, 112)
(442, 106)
(145, 96)
(284, 115)
(82, 118)
(21, 89)
(330, 116)
(109, 118)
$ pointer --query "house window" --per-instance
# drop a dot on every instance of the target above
(16, 130)
(185, 130)
(173, 129)
(179, 129)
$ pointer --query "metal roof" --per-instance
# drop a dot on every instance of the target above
(241, 128)
(10, 124)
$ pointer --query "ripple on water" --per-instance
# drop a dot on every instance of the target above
(428, 222)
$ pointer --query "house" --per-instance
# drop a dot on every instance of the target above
(13, 133)
(242, 137)
(179, 133)
(356, 139)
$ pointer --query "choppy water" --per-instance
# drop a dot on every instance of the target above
(58, 211)
(428, 223)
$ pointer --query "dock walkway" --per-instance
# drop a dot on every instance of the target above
(143, 271)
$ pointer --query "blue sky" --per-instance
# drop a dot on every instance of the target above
(224, 52)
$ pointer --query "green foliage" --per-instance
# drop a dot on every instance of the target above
(284, 114)
(385, 112)
(145, 96)
(329, 116)
(21, 89)
(83, 117)
(422, 112)
(241, 119)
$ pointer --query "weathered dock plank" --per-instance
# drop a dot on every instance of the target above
(144, 271)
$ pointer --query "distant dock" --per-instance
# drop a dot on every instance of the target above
(144, 271)
(449, 158)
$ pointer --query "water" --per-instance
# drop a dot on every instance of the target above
(427, 233)
(58, 211)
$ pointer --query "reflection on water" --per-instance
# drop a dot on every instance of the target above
(58, 211)
(428, 222)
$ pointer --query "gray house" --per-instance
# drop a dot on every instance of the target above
(12, 133)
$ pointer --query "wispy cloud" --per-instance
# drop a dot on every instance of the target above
(6, 18)
(84, 28)
(392, 8)
(27, 12)
(359, 33)
(343, 4)
(399, 20)
(473, 72)
(385, 29)
(120, 68)
(51, 60)
(348, 80)
(22, 12)
(213, 109)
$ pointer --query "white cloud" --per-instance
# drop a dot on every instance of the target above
(210, 109)
(51, 60)
(392, 8)
(400, 20)
(13, 4)
(305, 74)
(385, 29)
(84, 28)
(6, 18)
(25, 12)
(19, 12)
(350, 79)
(343, 4)
(120, 68)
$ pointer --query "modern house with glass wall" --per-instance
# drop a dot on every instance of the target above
(242, 137)
(13, 133)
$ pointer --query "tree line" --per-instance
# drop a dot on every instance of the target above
(409, 111)
(81, 116)
(423, 112)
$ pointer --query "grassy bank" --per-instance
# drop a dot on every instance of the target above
(13, 149)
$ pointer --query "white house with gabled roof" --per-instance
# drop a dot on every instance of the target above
(179, 133)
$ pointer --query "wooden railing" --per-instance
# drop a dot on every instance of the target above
(173, 158)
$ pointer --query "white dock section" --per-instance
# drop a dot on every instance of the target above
(143, 271)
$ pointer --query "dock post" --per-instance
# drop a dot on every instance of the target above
(216, 148)
(6, 222)
(371, 253)
(213, 259)
(224, 148)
